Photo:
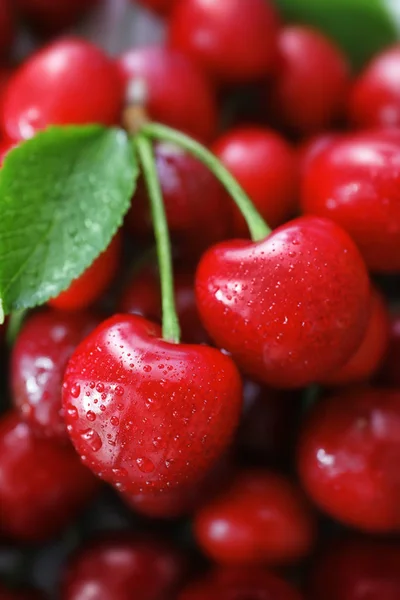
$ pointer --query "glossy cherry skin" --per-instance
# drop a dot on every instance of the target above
(199, 211)
(389, 374)
(261, 518)
(87, 289)
(142, 296)
(124, 567)
(357, 570)
(289, 308)
(146, 414)
(311, 82)
(354, 181)
(177, 92)
(162, 7)
(7, 26)
(48, 16)
(266, 167)
(240, 584)
(70, 81)
(374, 100)
(231, 41)
(43, 485)
(348, 458)
(38, 361)
(366, 361)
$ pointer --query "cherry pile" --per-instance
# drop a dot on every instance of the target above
(223, 422)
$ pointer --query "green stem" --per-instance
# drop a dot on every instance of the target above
(171, 331)
(14, 325)
(256, 224)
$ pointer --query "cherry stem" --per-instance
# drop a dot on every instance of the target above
(257, 226)
(170, 324)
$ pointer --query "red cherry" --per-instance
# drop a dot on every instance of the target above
(389, 374)
(43, 485)
(289, 308)
(311, 83)
(375, 96)
(262, 518)
(266, 167)
(7, 26)
(367, 359)
(348, 458)
(312, 146)
(354, 180)
(88, 288)
(162, 7)
(142, 296)
(240, 584)
(67, 82)
(147, 414)
(357, 570)
(232, 41)
(50, 17)
(124, 567)
(199, 212)
(38, 361)
(177, 92)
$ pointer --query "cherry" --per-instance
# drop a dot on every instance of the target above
(311, 84)
(177, 93)
(265, 166)
(290, 308)
(375, 96)
(123, 567)
(389, 374)
(366, 361)
(261, 518)
(147, 414)
(38, 361)
(231, 41)
(348, 458)
(310, 147)
(240, 584)
(50, 17)
(88, 288)
(354, 181)
(70, 81)
(43, 485)
(7, 26)
(142, 296)
(162, 7)
(198, 209)
(357, 570)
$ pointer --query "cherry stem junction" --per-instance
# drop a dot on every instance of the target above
(170, 324)
(256, 224)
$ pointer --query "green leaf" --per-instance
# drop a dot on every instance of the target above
(361, 27)
(63, 195)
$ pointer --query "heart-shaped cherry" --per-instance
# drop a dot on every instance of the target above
(145, 413)
(290, 308)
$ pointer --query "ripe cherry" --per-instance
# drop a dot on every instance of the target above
(7, 26)
(375, 96)
(389, 374)
(123, 567)
(199, 212)
(240, 584)
(147, 414)
(348, 458)
(142, 296)
(311, 83)
(70, 81)
(261, 518)
(88, 288)
(357, 570)
(366, 361)
(177, 93)
(231, 41)
(266, 167)
(290, 308)
(38, 361)
(354, 181)
(43, 485)
(162, 7)
(48, 16)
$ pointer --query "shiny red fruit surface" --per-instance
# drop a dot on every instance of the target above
(231, 40)
(354, 181)
(70, 81)
(289, 308)
(146, 414)
(43, 485)
(348, 458)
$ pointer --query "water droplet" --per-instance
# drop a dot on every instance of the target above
(90, 415)
(114, 421)
(145, 465)
(159, 442)
(119, 390)
(75, 390)
(72, 412)
(147, 368)
(92, 385)
(92, 439)
(100, 387)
